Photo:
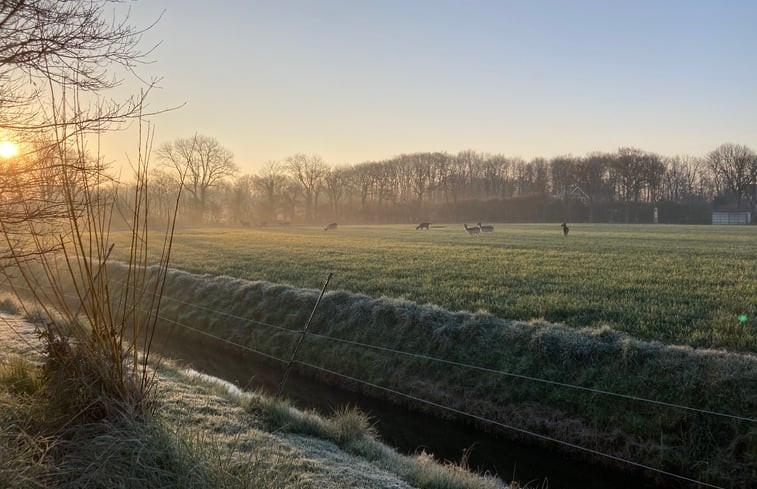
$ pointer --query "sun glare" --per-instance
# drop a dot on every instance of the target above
(8, 149)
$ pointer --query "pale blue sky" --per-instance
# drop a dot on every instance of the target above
(365, 80)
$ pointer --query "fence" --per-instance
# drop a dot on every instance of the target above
(730, 218)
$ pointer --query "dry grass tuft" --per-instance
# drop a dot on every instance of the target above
(9, 304)
(20, 376)
(350, 425)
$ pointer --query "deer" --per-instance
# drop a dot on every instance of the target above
(330, 227)
(485, 229)
(423, 225)
(474, 231)
(565, 230)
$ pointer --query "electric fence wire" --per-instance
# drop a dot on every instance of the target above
(233, 316)
(535, 379)
(453, 410)
(452, 363)
(510, 427)
(460, 412)
(238, 345)
(485, 369)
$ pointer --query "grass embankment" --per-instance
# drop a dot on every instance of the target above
(204, 434)
(710, 448)
(678, 284)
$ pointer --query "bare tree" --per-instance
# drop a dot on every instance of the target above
(468, 163)
(495, 173)
(563, 179)
(628, 173)
(421, 178)
(680, 178)
(591, 176)
(734, 166)
(541, 176)
(336, 182)
(383, 174)
(308, 172)
(461, 175)
(162, 193)
(199, 162)
(653, 171)
(50, 53)
(241, 199)
(525, 177)
(63, 45)
(360, 181)
(270, 183)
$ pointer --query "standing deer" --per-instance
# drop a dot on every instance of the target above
(330, 227)
(474, 231)
(485, 229)
(423, 225)
(565, 230)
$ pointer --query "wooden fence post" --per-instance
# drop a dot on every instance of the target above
(302, 337)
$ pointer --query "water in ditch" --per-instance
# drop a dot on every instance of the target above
(410, 432)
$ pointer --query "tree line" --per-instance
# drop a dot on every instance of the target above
(627, 185)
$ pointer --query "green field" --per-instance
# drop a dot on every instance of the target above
(694, 285)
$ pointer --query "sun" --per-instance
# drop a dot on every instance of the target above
(8, 149)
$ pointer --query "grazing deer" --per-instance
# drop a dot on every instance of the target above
(485, 229)
(565, 230)
(423, 225)
(474, 231)
(330, 227)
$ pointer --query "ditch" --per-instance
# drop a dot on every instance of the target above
(409, 431)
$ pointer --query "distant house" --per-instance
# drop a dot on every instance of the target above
(578, 193)
(739, 217)
(575, 193)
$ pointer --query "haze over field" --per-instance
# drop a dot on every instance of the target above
(418, 155)
(358, 81)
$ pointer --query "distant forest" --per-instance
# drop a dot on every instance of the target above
(624, 186)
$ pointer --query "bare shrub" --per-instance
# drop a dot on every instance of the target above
(59, 201)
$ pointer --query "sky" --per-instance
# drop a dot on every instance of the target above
(358, 80)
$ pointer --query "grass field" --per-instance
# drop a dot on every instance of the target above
(675, 284)
(694, 285)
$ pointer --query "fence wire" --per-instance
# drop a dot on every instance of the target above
(484, 369)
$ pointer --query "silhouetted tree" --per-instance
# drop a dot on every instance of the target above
(270, 183)
(734, 166)
(241, 200)
(360, 181)
(337, 185)
(199, 163)
(563, 179)
(162, 193)
(591, 176)
(653, 171)
(308, 172)
(46, 45)
(48, 49)
(628, 173)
